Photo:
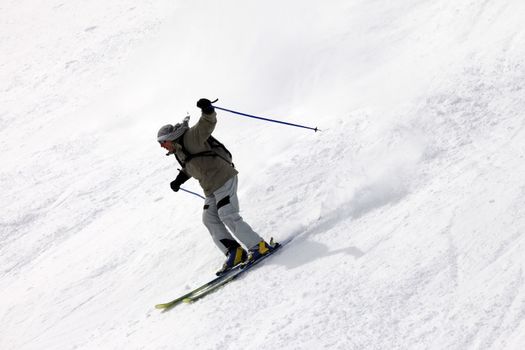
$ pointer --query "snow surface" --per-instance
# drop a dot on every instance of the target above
(406, 211)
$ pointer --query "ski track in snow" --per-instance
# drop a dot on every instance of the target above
(406, 210)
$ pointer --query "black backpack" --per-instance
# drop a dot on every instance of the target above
(217, 150)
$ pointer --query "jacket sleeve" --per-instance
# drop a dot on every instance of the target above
(184, 175)
(201, 131)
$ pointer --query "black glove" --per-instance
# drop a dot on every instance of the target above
(179, 180)
(205, 105)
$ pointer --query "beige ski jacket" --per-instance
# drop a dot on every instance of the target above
(211, 172)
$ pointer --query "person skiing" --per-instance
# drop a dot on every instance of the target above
(207, 160)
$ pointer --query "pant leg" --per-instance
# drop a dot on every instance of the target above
(228, 210)
(220, 235)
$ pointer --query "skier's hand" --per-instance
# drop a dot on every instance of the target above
(179, 180)
(205, 105)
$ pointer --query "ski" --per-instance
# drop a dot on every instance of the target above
(230, 277)
(218, 282)
(175, 302)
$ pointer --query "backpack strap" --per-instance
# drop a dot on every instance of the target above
(210, 153)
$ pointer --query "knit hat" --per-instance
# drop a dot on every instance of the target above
(172, 132)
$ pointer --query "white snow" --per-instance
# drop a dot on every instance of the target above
(406, 211)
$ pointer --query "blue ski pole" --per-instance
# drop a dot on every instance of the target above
(193, 193)
(266, 119)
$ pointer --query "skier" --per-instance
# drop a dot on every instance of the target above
(208, 161)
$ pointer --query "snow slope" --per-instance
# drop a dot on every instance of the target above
(406, 211)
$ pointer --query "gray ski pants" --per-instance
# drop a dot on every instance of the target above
(221, 211)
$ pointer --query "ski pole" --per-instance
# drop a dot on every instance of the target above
(193, 193)
(267, 119)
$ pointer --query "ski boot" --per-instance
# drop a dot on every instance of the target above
(260, 249)
(234, 257)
